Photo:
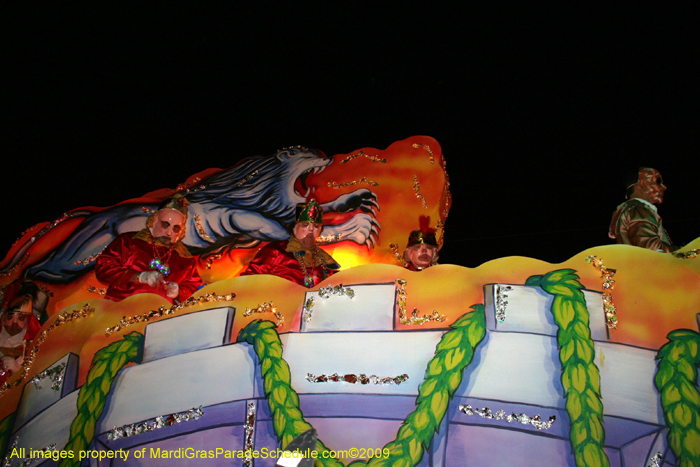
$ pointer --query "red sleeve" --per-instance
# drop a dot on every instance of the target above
(262, 263)
(110, 268)
(190, 283)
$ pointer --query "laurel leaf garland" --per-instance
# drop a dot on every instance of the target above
(676, 380)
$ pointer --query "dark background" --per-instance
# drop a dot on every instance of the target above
(539, 112)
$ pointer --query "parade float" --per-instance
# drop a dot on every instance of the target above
(590, 362)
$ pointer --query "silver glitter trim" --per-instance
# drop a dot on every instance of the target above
(356, 379)
(158, 422)
(499, 291)
(27, 460)
(655, 460)
(6, 461)
(325, 292)
(249, 433)
(308, 309)
(523, 419)
(56, 375)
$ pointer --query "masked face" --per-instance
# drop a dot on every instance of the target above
(421, 255)
(651, 185)
(14, 323)
(307, 233)
(168, 226)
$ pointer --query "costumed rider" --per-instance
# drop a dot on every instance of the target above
(19, 326)
(298, 259)
(152, 260)
(636, 221)
(422, 248)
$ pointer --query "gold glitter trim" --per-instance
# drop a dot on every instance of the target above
(16, 267)
(145, 317)
(63, 318)
(97, 290)
(441, 234)
(186, 186)
(363, 154)
(266, 308)
(363, 180)
(200, 228)
(427, 148)
(690, 254)
(416, 188)
(329, 238)
(399, 257)
(414, 319)
(46, 290)
(90, 259)
(211, 259)
(608, 306)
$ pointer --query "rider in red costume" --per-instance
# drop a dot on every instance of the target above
(298, 259)
(422, 248)
(153, 260)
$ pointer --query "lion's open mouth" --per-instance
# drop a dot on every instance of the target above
(300, 185)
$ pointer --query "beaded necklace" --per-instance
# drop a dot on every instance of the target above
(158, 263)
(309, 279)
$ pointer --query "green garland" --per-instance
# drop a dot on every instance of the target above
(287, 419)
(5, 431)
(676, 380)
(580, 376)
(443, 376)
(93, 394)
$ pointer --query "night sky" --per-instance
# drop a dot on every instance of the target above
(539, 112)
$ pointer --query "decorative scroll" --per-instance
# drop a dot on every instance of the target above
(414, 318)
(363, 180)
(266, 308)
(145, 317)
(134, 429)
(356, 379)
(416, 188)
(363, 154)
(501, 302)
(608, 306)
(55, 374)
(63, 318)
(521, 418)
